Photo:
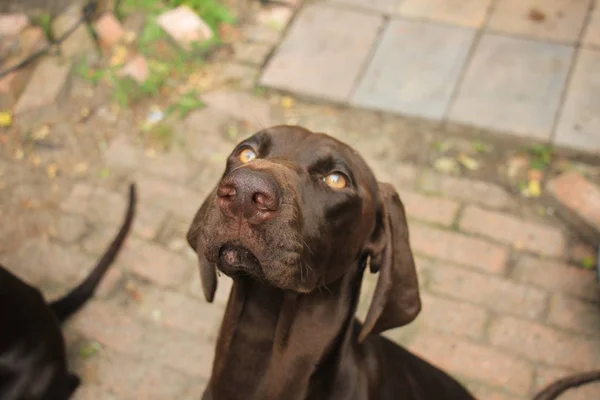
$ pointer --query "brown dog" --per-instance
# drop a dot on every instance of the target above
(295, 220)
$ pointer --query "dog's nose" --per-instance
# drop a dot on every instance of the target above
(249, 194)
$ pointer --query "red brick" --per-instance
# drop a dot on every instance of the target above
(151, 261)
(164, 193)
(12, 24)
(133, 378)
(110, 281)
(90, 391)
(110, 326)
(176, 311)
(487, 393)
(579, 195)
(149, 221)
(70, 228)
(471, 191)
(452, 316)
(224, 286)
(494, 293)
(430, 209)
(521, 234)
(39, 260)
(557, 277)
(186, 354)
(485, 364)
(78, 198)
(543, 344)
(546, 376)
(573, 314)
(137, 69)
(458, 248)
(109, 30)
(580, 253)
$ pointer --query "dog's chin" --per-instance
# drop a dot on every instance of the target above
(236, 260)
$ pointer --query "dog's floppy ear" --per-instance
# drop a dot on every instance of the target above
(208, 272)
(396, 300)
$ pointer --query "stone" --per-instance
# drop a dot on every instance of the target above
(30, 40)
(109, 30)
(579, 122)
(470, 13)
(185, 27)
(556, 20)
(415, 69)
(513, 85)
(45, 93)
(12, 24)
(324, 53)
(592, 33)
(79, 42)
(577, 201)
(137, 69)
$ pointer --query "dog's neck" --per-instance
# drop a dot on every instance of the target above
(272, 341)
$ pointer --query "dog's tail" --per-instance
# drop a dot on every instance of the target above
(64, 307)
(557, 387)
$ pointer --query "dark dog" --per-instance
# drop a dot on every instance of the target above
(33, 362)
(295, 220)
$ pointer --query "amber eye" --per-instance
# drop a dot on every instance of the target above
(247, 155)
(336, 180)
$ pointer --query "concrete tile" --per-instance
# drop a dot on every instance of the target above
(415, 69)
(382, 6)
(513, 85)
(469, 13)
(579, 123)
(556, 20)
(592, 32)
(323, 53)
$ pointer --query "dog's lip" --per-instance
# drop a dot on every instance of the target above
(237, 257)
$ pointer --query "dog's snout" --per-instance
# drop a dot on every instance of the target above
(249, 194)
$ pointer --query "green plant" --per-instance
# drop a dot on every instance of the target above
(541, 156)
(186, 103)
(212, 11)
(88, 73)
(44, 21)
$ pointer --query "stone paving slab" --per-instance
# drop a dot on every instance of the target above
(324, 52)
(514, 85)
(592, 33)
(579, 123)
(511, 81)
(470, 13)
(555, 20)
(415, 69)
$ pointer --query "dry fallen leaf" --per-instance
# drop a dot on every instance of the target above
(41, 133)
(287, 102)
(119, 56)
(534, 188)
(19, 154)
(81, 167)
(468, 162)
(5, 119)
(51, 170)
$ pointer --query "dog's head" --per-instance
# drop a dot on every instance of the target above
(296, 209)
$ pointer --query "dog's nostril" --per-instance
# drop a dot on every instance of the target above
(264, 202)
(226, 191)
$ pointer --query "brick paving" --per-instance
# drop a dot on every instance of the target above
(506, 309)
(517, 68)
